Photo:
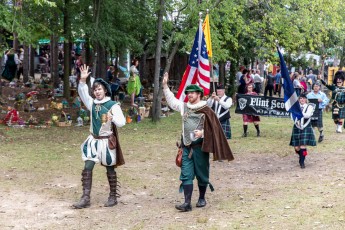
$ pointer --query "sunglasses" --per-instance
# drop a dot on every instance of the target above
(339, 82)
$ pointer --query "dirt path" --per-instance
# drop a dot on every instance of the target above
(266, 192)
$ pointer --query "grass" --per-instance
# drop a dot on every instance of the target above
(262, 189)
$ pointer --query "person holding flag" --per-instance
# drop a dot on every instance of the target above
(302, 132)
(220, 104)
(201, 134)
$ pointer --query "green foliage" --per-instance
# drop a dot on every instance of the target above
(242, 31)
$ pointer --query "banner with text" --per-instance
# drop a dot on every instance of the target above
(267, 106)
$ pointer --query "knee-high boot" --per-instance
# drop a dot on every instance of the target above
(186, 206)
(112, 199)
(86, 179)
(201, 202)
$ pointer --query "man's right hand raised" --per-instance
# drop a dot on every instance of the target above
(84, 73)
(165, 80)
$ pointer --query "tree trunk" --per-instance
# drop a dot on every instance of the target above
(15, 41)
(26, 64)
(67, 50)
(171, 56)
(221, 79)
(142, 65)
(156, 107)
(88, 58)
(54, 53)
(32, 61)
(233, 69)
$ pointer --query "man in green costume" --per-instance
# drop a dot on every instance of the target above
(201, 134)
(102, 145)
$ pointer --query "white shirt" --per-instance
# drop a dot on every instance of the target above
(225, 104)
(16, 60)
(258, 78)
(118, 117)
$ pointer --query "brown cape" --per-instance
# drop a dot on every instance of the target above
(214, 138)
(119, 156)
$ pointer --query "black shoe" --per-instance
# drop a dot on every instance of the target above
(185, 207)
(258, 134)
(302, 166)
(244, 135)
(201, 203)
(320, 139)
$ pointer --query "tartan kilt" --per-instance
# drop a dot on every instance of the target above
(226, 128)
(303, 137)
(341, 113)
(318, 123)
(250, 118)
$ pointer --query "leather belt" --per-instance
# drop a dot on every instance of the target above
(194, 146)
(99, 137)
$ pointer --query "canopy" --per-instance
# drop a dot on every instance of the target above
(45, 41)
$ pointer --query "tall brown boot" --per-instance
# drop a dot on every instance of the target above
(86, 179)
(112, 199)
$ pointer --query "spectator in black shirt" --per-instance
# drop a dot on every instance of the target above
(269, 81)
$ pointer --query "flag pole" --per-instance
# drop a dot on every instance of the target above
(211, 65)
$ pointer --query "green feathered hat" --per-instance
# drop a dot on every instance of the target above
(194, 88)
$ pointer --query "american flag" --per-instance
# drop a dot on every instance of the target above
(198, 69)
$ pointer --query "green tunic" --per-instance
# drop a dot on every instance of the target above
(97, 111)
(134, 85)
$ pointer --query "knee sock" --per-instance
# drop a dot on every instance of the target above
(188, 190)
(89, 165)
(110, 169)
(202, 191)
(321, 132)
(245, 128)
(302, 154)
(257, 128)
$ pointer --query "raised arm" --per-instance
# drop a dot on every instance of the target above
(172, 101)
(330, 87)
(83, 89)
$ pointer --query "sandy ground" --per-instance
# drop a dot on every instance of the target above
(251, 193)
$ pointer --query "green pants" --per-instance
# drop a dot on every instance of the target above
(197, 165)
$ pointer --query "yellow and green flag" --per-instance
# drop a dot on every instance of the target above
(207, 31)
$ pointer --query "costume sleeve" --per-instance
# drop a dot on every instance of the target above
(16, 59)
(172, 101)
(118, 117)
(325, 100)
(308, 112)
(226, 104)
(83, 91)
(330, 87)
(210, 102)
